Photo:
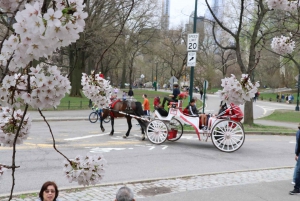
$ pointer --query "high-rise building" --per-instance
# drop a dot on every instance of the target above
(165, 17)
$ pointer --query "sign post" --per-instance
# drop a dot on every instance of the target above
(192, 42)
(191, 59)
(192, 45)
(205, 86)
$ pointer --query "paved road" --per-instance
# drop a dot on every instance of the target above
(133, 159)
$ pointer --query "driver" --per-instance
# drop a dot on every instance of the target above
(173, 96)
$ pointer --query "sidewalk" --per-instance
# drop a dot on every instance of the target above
(259, 185)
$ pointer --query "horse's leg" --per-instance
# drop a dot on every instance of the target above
(101, 124)
(112, 119)
(129, 126)
(143, 128)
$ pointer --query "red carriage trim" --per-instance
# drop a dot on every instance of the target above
(196, 129)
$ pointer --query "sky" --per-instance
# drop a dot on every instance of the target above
(181, 9)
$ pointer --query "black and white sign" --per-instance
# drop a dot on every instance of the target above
(192, 42)
(191, 59)
(173, 79)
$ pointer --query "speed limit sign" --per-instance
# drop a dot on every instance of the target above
(192, 42)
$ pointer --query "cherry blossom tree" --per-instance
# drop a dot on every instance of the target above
(31, 24)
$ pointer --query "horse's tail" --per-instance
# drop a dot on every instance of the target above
(139, 110)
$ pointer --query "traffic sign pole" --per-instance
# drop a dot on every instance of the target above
(192, 68)
(204, 94)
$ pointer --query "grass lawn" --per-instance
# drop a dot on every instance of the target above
(268, 96)
(256, 127)
(77, 103)
(284, 115)
(213, 90)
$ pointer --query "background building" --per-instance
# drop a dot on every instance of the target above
(165, 17)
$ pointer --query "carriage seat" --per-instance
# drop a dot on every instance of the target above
(162, 111)
(177, 104)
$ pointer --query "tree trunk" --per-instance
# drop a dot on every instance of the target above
(248, 113)
(76, 73)
(123, 79)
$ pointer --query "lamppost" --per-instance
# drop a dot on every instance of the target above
(156, 80)
(298, 86)
(142, 77)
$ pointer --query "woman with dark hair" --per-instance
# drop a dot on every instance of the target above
(49, 192)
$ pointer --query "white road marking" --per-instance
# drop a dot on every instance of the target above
(164, 147)
(87, 136)
(292, 142)
(187, 137)
(106, 150)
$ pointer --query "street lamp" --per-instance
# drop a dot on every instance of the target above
(298, 86)
(156, 80)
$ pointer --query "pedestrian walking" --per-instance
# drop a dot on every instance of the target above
(130, 93)
(201, 93)
(277, 98)
(146, 105)
(124, 194)
(296, 177)
(124, 96)
(282, 98)
(116, 90)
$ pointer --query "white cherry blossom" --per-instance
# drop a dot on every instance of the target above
(9, 123)
(52, 17)
(86, 170)
(283, 45)
(97, 89)
(238, 92)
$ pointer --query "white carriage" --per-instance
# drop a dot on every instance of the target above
(225, 130)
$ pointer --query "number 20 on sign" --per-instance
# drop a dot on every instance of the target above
(192, 42)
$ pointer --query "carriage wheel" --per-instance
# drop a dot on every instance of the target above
(157, 131)
(93, 117)
(228, 135)
(176, 125)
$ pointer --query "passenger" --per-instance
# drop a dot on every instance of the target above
(156, 102)
(192, 110)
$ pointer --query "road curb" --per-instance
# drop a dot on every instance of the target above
(146, 180)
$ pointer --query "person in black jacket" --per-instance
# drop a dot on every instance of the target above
(173, 96)
(297, 168)
(130, 93)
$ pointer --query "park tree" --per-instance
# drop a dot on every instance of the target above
(28, 79)
(241, 26)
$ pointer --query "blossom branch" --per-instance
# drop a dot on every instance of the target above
(13, 166)
(8, 167)
(53, 139)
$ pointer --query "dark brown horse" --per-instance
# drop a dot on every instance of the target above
(135, 109)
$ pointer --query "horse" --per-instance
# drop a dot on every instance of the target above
(135, 109)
